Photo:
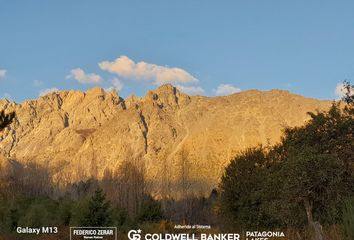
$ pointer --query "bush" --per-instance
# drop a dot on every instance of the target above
(150, 210)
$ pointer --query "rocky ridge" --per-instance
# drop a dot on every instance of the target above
(175, 137)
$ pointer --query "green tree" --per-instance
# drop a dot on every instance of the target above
(150, 210)
(241, 190)
(315, 167)
(99, 211)
(79, 211)
(327, 132)
(348, 97)
(64, 211)
(305, 178)
(306, 187)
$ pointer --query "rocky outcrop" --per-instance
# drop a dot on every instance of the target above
(176, 137)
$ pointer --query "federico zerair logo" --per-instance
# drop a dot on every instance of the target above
(85, 233)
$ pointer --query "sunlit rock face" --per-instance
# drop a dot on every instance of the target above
(178, 139)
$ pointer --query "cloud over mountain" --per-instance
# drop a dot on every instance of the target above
(340, 90)
(82, 77)
(46, 91)
(191, 90)
(116, 85)
(126, 67)
(226, 89)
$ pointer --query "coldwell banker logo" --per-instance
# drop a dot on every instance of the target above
(137, 235)
(134, 234)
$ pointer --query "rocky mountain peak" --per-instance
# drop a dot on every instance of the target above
(79, 135)
(167, 96)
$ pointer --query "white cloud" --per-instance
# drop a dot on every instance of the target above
(3, 73)
(37, 83)
(82, 77)
(340, 90)
(117, 85)
(125, 67)
(191, 90)
(226, 89)
(47, 91)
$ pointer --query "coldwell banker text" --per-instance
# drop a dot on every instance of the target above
(136, 235)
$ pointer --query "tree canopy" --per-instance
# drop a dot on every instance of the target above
(98, 213)
(306, 178)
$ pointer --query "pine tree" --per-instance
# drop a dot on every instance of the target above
(98, 214)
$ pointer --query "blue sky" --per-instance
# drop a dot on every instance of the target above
(204, 47)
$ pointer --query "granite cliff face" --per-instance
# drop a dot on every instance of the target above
(175, 137)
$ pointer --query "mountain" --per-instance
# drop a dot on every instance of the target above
(180, 140)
